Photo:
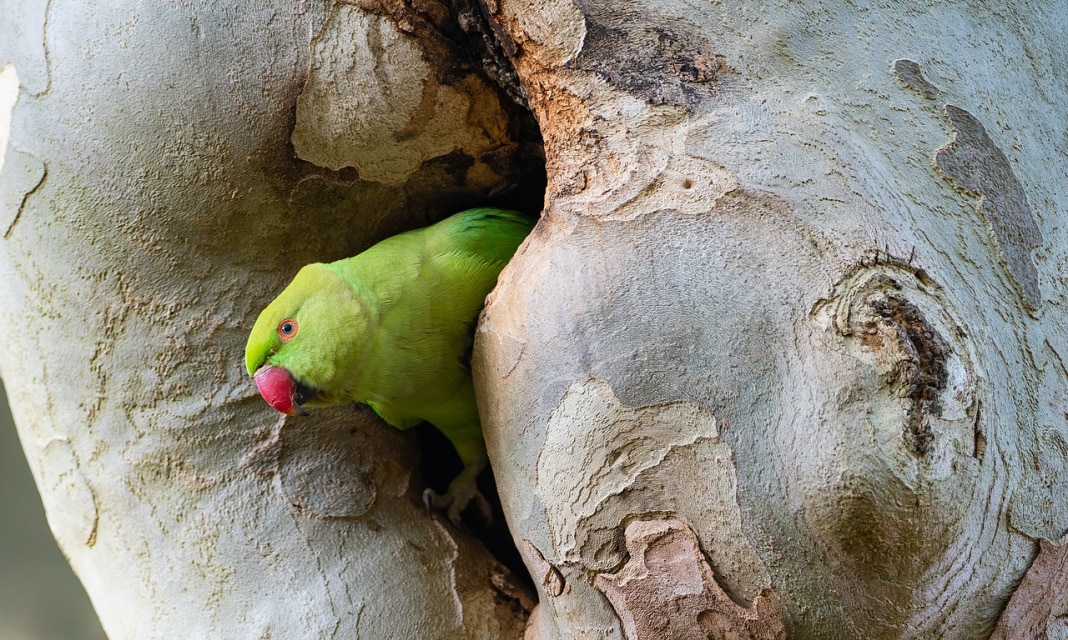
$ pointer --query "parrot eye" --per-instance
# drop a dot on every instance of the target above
(287, 328)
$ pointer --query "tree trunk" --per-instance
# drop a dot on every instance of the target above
(788, 353)
(170, 167)
(785, 356)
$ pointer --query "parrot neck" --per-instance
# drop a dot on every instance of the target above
(358, 324)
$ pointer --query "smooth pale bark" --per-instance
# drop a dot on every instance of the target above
(787, 353)
(152, 205)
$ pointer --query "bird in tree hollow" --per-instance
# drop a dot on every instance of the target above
(392, 328)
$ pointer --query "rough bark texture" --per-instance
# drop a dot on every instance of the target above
(785, 356)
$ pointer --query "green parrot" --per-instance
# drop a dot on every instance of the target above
(392, 328)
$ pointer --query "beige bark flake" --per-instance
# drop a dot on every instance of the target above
(605, 463)
(668, 590)
(373, 102)
(686, 184)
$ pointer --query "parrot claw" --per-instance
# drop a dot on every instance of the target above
(456, 499)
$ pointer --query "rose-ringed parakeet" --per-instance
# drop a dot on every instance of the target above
(392, 328)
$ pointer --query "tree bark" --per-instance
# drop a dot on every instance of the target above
(798, 295)
(784, 357)
(169, 168)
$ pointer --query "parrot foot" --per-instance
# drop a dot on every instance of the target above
(462, 492)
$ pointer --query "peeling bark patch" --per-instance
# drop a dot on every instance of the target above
(384, 102)
(667, 590)
(972, 162)
(1039, 606)
(605, 463)
(651, 63)
(909, 72)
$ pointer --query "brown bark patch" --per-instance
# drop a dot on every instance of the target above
(652, 63)
(1039, 608)
(668, 590)
(909, 72)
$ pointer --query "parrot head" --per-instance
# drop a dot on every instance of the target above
(302, 348)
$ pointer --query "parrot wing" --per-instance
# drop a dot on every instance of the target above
(470, 248)
(488, 234)
(466, 253)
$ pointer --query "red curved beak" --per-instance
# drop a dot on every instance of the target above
(280, 390)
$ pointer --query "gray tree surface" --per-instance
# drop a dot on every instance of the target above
(785, 356)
